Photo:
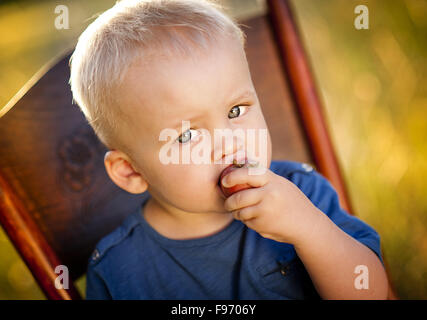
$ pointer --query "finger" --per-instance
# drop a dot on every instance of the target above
(245, 214)
(243, 198)
(246, 175)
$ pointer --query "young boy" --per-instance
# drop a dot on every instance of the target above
(146, 66)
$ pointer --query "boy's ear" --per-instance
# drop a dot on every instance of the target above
(120, 170)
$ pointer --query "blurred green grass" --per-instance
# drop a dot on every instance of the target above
(373, 83)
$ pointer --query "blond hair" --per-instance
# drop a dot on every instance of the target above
(132, 29)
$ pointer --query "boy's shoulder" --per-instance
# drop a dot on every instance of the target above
(286, 168)
(313, 184)
(115, 238)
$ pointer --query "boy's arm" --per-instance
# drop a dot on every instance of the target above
(337, 244)
(331, 257)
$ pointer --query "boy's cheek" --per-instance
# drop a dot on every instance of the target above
(186, 176)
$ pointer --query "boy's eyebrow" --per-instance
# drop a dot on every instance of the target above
(243, 95)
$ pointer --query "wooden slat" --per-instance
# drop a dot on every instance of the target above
(273, 92)
(31, 244)
(297, 68)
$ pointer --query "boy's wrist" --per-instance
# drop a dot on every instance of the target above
(318, 225)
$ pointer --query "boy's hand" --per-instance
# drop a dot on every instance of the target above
(274, 207)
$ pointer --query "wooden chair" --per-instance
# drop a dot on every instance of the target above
(56, 200)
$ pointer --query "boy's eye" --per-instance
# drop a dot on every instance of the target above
(236, 111)
(187, 135)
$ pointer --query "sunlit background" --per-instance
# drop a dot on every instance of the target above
(374, 87)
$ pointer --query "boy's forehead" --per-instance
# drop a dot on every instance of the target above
(169, 89)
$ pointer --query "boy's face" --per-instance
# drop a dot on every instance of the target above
(211, 90)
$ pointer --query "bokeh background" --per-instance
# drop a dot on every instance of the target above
(373, 84)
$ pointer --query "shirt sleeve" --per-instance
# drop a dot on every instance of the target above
(96, 288)
(324, 197)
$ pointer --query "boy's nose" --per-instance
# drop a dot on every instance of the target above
(234, 148)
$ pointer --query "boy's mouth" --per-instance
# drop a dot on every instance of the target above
(236, 163)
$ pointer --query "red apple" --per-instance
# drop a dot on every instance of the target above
(229, 191)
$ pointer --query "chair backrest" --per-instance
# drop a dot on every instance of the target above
(52, 164)
(56, 200)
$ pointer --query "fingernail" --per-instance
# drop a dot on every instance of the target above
(224, 182)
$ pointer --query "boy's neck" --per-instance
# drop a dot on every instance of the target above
(183, 226)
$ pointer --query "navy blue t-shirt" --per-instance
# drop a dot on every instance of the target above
(136, 262)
